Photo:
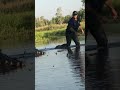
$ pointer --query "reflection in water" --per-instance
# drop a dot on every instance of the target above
(8, 64)
(17, 66)
(77, 61)
(15, 76)
(56, 71)
(98, 75)
(39, 53)
(6, 67)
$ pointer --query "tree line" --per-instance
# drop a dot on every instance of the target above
(58, 19)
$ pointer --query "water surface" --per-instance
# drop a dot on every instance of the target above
(60, 70)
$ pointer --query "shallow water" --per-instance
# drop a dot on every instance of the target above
(17, 78)
(102, 70)
(59, 70)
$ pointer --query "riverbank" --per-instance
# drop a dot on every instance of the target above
(55, 36)
(44, 36)
(15, 25)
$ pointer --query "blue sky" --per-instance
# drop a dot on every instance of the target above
(47, 8)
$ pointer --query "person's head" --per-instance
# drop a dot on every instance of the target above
(75, 14)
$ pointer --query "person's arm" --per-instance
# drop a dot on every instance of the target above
(81, 29)
(109, 4)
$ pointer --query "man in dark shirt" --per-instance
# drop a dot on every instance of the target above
(93, 21)
(72, 28)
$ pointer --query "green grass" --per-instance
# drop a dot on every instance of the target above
(17, 26)
(49, 35)
(51, 27)
(44, 36)
(10, 6)
(16, 22)
(55, 26)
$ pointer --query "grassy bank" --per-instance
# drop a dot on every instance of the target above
(55, 26)
(44, 36)
(16, 21)
(51, 27)
(15, 25)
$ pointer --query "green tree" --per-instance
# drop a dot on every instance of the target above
(66, 18)
(59, 16)
(81, 14)
(53, 20)
(83, 1)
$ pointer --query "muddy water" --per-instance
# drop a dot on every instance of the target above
(60, 70)
(17, 78)
(103, 69)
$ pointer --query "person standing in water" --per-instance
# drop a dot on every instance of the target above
(93, 21)
(72, 29)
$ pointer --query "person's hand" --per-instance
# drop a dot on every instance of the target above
(114, 13)
(83, 32)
